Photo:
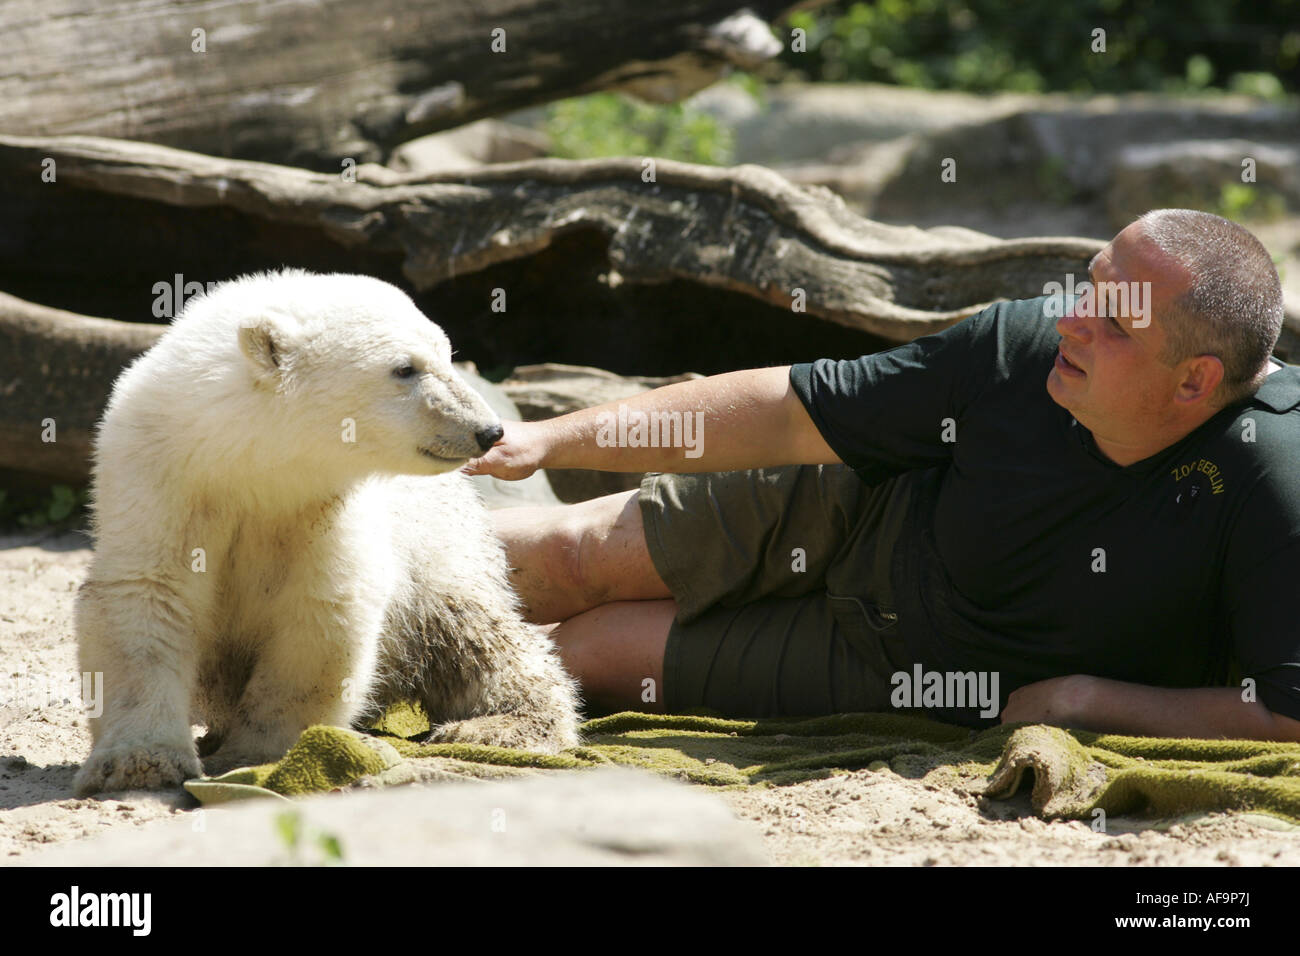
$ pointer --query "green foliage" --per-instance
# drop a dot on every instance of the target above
(1247, 202)
(1264, 85)
(751, 84)
(291, 831)
(330, 846)
(1053, 181)
(1247, 46)
(288, 827)
(37, 508)
(609, 124)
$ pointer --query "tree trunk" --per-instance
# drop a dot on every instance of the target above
(313, 84)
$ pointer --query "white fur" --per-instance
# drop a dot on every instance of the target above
(339, 575)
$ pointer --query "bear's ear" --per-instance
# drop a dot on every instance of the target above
(266, 346)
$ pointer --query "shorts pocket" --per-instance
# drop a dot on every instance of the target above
(850, 612)
(871, 630)
(867, 625)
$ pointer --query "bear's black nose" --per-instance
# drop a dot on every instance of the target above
(489, 436)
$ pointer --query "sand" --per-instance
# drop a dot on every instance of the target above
(860, 817)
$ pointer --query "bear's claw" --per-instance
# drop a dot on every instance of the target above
(136, 767)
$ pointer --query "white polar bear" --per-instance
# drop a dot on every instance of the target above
(283, 539)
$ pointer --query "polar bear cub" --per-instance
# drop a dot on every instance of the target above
(283, 539)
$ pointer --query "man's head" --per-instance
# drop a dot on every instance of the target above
(1199, 312)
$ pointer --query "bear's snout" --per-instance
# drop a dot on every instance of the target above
(487, 437)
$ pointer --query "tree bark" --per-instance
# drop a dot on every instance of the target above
(55, 374)
(744, 268)
(315, 83)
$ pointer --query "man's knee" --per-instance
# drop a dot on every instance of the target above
(566, 545)
(542, 545)
(569, 558)
(610, 560)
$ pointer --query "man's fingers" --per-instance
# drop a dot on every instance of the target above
(474, 467)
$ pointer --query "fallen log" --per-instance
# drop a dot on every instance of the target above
(55, 371)
(637, 267)
(313, 84)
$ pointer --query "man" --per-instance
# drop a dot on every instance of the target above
(1098, 511)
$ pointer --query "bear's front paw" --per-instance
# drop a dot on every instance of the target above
(506, 730)
(136, 767)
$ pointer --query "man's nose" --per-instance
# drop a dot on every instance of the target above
(1076, 322)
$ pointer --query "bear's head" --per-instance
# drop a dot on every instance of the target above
(352, 375)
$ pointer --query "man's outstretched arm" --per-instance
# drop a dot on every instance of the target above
(746, 419)
(1117, 707)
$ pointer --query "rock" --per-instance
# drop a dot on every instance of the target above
(604, 817)
(551, 389)
(1192, 173)
(804, 122)
(1060, 154)
(469, 146)
(1024, 164)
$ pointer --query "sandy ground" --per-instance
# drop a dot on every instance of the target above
(863, 817)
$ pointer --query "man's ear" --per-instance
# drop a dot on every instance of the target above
(266, 344)
(1204, 373)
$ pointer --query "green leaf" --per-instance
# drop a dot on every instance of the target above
(331, 847)
(289, 827)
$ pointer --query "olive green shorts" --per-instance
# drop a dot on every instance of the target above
(782, 582)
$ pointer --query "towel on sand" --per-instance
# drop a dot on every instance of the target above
(1073, 771)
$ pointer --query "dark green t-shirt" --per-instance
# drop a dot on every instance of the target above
(1030, 554)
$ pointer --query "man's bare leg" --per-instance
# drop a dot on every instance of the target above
(566, 559)
(586, 565)
(616, 651)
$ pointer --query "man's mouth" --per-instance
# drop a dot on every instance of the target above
(1066, 366)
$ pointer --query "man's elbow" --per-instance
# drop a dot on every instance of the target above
(1284, 728)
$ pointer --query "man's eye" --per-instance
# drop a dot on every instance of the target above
(404, 371)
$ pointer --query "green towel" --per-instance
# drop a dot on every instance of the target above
(1074, 771)
(323, 759)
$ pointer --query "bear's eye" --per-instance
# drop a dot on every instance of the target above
(404, 371)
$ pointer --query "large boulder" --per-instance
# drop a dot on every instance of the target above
(603, 817)
(1201, 173)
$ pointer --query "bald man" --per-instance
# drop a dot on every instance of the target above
(1084, 513)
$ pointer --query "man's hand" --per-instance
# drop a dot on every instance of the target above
(1116, 707)
(518, 453)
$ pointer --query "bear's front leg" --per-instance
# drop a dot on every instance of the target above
(136, 635)
(317, 671)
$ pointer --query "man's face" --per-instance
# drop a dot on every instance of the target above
(1108, 373)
